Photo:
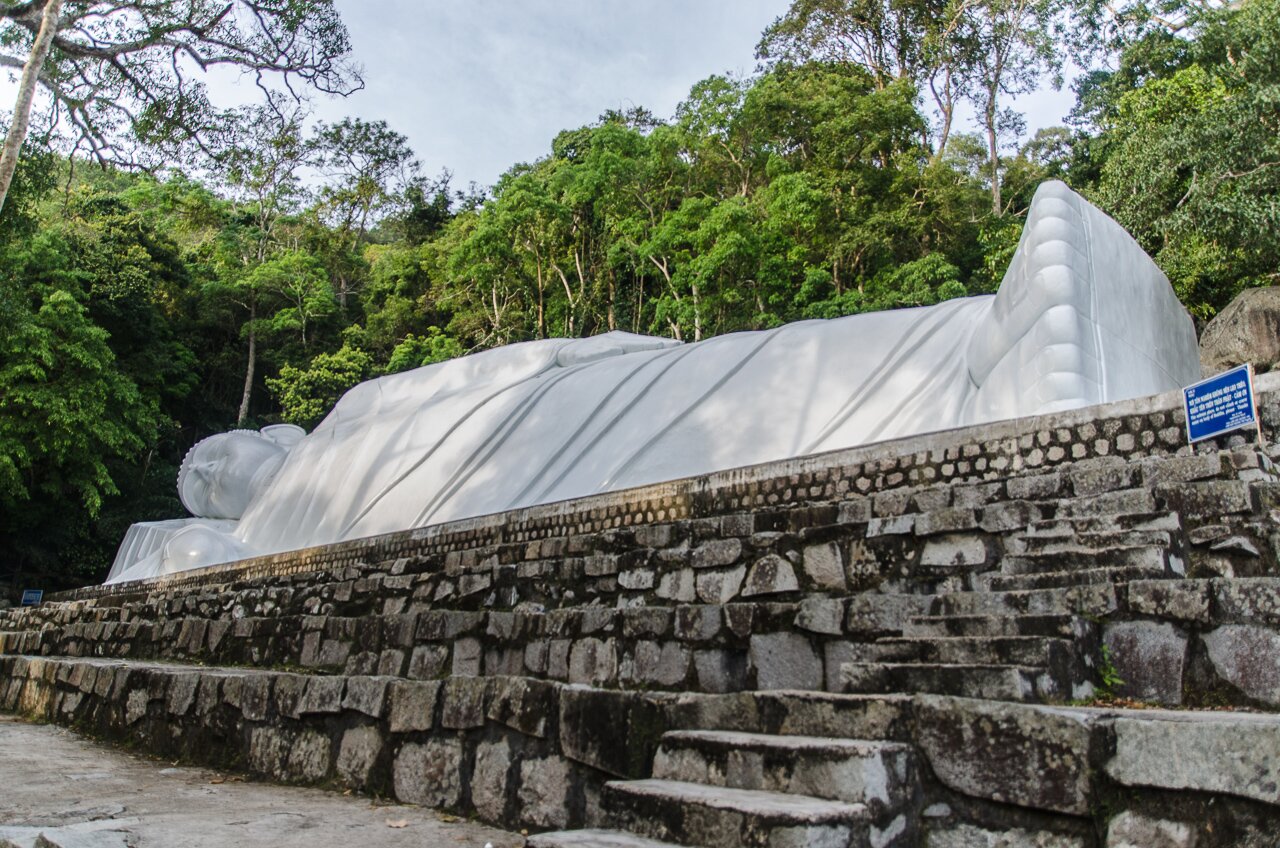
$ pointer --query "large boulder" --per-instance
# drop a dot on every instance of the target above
(1248, 330)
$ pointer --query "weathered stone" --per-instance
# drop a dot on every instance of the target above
(268, 751)
(719, 671)
(824, 566)
(182, 693)
(896, 525)
(719, 586)
(971, 836)
(1214, 498)
(666, 664)
(322, 695)
(545, 785)
(464, 706)
(822, 615)
(645, 621)
(1008, 515)
(1179, 600)
(615, 732)
(593, 661)
(1034, 487)
(678, 586)
(489, 780)
(429, 774)
(717, 553)
(255, 697)
(1235, 753)
(135, 706)
(695, 623)
(413, 705)
(366, 695)
(874, 613)
(308, 756)
(770, 575)
(1120, 502)
(1247, 330)
(1248, 600)
(1246, 657)
(1017, 754)
(1133, 830)
(468, 656)
(955, 550)
(1095, 476)
(785, 661)
(523, 704)
(428, 662)
(1238, 544)
(949, 520)
(1149, 657)
(358, 754)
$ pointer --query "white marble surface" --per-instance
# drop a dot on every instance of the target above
(1083, 316)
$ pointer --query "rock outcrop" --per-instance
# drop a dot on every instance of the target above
(1248, 330)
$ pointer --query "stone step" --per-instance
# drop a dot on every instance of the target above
(995, 626)
(1074, 526)
(1115, 505)
(964, 650)
(593, 839)
(798, 713)
(991, 682)
(721, 817)
(1087, 543)
(1152, 557)
(1097, 599)
(879, 774)
(1073, 578)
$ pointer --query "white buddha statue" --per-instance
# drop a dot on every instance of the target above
(1082, 317)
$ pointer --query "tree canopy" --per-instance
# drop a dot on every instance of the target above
(142, 311)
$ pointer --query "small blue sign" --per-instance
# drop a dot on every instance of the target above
(1219, 404)
(32, 597)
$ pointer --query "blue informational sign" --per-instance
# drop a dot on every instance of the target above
(1220, 404)
(32, 597)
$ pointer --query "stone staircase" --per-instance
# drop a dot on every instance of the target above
(726, 788)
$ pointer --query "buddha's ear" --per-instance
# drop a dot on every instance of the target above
(284, 435)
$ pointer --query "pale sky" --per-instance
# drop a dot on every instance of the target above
(480, 85)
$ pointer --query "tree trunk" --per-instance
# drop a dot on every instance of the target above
(248, 371)
(26, 93)
(993, 153)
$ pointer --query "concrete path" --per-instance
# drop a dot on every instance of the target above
(80, 794)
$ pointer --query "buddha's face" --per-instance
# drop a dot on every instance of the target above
(223, 473)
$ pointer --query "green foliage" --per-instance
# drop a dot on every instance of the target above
(416, 351)
(1109, 679)
(1189, 151)
(307, 394)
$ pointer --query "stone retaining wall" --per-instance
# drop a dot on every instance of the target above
(534, 754)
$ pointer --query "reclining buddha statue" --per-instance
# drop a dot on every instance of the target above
(1082, 317)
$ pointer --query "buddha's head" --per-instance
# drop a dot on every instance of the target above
(222, 474)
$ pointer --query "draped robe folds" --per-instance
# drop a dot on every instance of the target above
(432, 445)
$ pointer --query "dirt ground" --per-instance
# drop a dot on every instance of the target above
(78, 792)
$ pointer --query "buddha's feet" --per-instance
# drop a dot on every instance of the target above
(1083, 316)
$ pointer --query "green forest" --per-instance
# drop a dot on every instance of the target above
(143, 307)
